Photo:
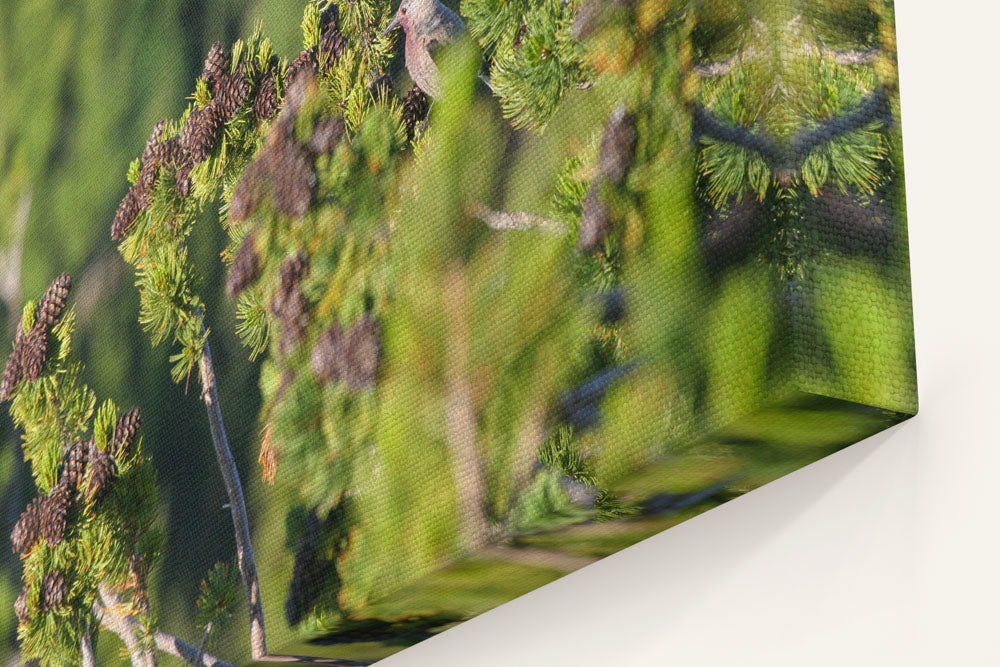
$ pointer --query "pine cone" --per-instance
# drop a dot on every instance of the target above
(331, 47)
(329, 19)
(618, 146)
(28, 529)
(144, 184)
(232, 91)
(183, 185)
(295, 320)
(100, 469)
(327, 353)
(245, 268)
(293, 270)
(167, 153)
(53, 514)
(306, 61)
(216, 63)
(128, 210)
(13, 371)
(351, 358)
(155, 138)
(289, 303)
(595, 220)
(53, 301)
(200, 132)
(74, 465)
(265, 102)
(415, 106)
(325, 135)
(36, 353)
(293, 179)
(54, 590)
(361, 353)
(126, 429)
(248, 192)
(21, 606)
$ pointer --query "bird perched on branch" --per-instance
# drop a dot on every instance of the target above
(428, 25)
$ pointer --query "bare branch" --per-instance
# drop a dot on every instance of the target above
(201, 646)
(848, 57)
(87, 651)
(120, 626)
(125, 627)
(237, 505)
(516, 220)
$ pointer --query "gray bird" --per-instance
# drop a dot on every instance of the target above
(428, 25)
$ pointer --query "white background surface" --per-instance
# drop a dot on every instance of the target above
(887, 553)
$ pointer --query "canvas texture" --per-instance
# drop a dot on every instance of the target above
(334, 325)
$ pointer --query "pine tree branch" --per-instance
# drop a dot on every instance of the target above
(125, 627)
(237, 505)
(201, 646)
(140, 656)
(120, 626)
(515, 220)
(87, 651)
(846, 57)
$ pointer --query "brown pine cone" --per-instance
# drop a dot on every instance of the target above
(53, 301)
(183, 185)
(54, 590)
(305, 61)
(293, 270)
(326, 354)
(245, 267)
(13, 370)
(200, 132)
(74, 465)
(415, 106)
(331, 47)
(265, 101)
(361, 354)
(295, 320)
(232, 92)
(144, 184)
(617, 146)
(28, 529)
(167, 153)
(289, 303)
(248, 193)
(293, 179)
(100, 470)
(155, 138)
(595, 220)
(54, 514)
(21, 606)
(36, 353)
(325, 135)
(126, 429)
(330, 19)
(352, 357)
(128, 210)
(216, 63)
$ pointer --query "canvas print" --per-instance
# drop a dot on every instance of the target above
(330, 325)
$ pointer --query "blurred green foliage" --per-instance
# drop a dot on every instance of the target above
(482, 332)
